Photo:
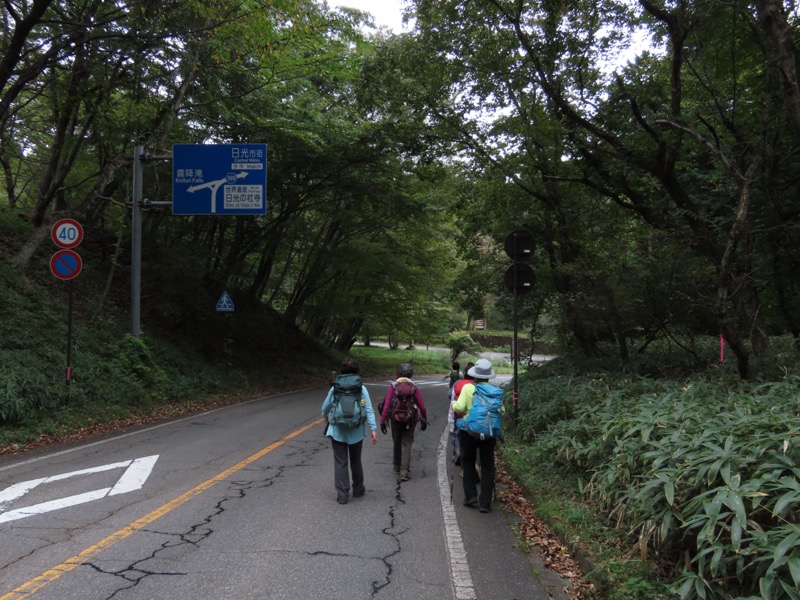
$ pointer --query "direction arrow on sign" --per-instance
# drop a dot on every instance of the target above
(66, 264)
(219, 179)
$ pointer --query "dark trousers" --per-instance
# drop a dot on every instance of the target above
(344, 454)
(402, 440)
(471, 447)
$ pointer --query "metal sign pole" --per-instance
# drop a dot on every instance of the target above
(519, 277)
(516, 359)
(136, 244)
(516, 341)
(69, 331)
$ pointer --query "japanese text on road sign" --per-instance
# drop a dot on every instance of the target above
(223, 179)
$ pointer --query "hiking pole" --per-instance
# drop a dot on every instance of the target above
(419, 416)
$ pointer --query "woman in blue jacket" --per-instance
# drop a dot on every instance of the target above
(347, 440)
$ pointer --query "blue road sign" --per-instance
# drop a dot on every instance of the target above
(225, 303)
(219, 179)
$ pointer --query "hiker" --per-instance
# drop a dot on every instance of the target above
(348, 408)
(403, 407)
(455, 391)
(454, 375)
(478, 433)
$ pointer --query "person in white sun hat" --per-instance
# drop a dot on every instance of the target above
(478, 433)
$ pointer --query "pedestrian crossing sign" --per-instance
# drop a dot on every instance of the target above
(225, 303)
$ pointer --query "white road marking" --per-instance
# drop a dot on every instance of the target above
(419, 383)
(45, 507)
(134, 477)
(18, 490)
(459, 567)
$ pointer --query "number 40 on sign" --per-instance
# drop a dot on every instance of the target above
(67, 233)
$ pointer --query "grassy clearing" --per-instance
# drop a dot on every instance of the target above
(381, 361)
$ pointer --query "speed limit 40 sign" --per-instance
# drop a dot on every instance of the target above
(67, 233)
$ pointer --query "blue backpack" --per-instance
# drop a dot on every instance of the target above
(483, 420)
(348, 407)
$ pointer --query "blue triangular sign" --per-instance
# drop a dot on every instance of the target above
(225, 304)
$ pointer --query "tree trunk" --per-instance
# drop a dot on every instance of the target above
(781, 51)
(21, 259)
(735, 344)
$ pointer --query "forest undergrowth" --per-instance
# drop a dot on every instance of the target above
(675, 487)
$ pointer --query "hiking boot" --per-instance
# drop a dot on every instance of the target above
(342, 499)
(359, 493)
(404, 476)
(470, 502)
(485, 509)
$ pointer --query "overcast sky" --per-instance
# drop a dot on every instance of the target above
(386, 12)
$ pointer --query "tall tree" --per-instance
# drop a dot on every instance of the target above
(679, 139)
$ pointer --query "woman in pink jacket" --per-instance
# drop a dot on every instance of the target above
(403, 407)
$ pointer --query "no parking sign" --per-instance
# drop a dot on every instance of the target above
(66, 264)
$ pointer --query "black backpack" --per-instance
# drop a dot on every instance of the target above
(403, 407)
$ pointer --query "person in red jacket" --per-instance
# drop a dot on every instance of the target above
(452, 416)
(403, 415)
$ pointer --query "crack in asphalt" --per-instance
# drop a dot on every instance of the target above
(377, 586)
(196, 534)
(22, 557)
(396, 536)
(389, 530)
(133, 573)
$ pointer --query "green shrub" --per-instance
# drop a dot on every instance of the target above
(461, 343)
(703, 472)
(131, 358)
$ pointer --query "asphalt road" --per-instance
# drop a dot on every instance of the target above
(239, 503)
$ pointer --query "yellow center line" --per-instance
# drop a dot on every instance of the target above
(49, 576)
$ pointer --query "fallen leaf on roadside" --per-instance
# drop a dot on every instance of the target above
(554, 553)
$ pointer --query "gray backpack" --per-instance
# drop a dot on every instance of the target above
(347, 409)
